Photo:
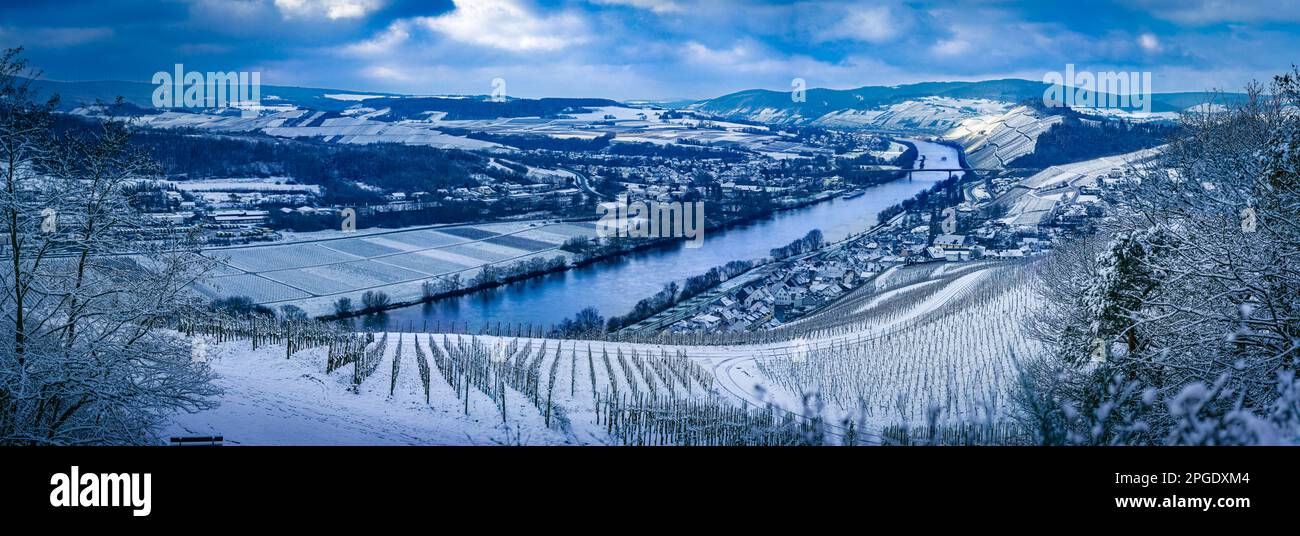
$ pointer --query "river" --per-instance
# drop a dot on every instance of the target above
(614, 286)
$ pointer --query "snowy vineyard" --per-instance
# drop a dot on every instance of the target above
(259, 331)
(920, 348)
(952, 363)
(641, 420)
(619, 394)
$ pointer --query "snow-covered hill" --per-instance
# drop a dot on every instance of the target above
(884, 355)
(328, 126)
(929, 107)
(927, 114)
(994, 140)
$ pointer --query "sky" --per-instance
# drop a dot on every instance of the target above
(654, 49)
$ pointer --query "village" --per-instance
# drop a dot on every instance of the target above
(1005, 217)
(524, 184)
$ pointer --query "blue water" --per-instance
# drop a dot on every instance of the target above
(614, 286)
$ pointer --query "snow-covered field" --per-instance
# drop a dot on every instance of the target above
(930, 114)
(939, 339)
(250, 184)
(994, 140)
(312, 270)
(306, 123)
(1034, 199)
(639, 125)
(925, 114)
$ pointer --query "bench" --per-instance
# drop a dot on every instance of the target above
(197, 441)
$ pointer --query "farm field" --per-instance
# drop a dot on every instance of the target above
(996, 139)
(296, 122)
(1034, 199)
(311, 270)
(924, 344)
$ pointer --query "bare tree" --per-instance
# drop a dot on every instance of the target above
(89, 283)
(1195, 280)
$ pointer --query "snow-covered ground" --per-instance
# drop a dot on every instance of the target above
(639, 125)
(1141, 117)
(1034, 199)
(294, 123)
(937, 336)
(313, 270)
(250, 184)
(350, 96)
(270, 400)
(929, 114)
(994, 140)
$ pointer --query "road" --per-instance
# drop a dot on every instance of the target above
(584, 184)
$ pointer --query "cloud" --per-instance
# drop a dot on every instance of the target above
(655, 48)
(1209, 12)
(384, 43)
(330, 9)
(874, 24)
(746, 56)
(698, 52)
(388, 73)
(54, 37)
(236, 9)
(508, 25)
(1149, 42)
(950, 47)
(199, 49)
(657, 6)
(748, 64)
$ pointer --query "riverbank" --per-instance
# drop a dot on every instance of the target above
(640, 245)
(614, 286)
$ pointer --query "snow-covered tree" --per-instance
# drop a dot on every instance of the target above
(1196, 278)
(89, 285)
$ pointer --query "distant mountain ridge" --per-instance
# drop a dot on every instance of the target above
(821, 101)
(930, 107)
(478, 108)
(75, 94)
(832, 104)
